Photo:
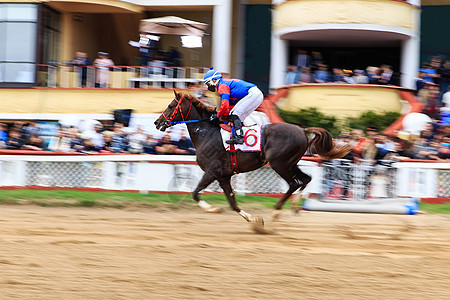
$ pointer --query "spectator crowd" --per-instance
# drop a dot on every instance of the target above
(311, 68)
(115, 139)
(432, 89)
(433, 143)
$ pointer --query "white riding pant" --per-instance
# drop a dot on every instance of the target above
(248, 104)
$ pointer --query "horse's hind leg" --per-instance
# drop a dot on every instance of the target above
(225, 184)
(206, 180)
(305, 179)
(295, 178)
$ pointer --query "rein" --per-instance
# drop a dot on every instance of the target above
(175, 112)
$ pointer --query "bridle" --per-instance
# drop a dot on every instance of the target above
(169, 121)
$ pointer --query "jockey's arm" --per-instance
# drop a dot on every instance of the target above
(224, 92)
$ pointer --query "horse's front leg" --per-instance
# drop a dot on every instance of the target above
(225, 184)
(206, 180)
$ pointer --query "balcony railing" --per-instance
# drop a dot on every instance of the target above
(65, 76)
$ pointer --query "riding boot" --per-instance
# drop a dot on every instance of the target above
(238, 137)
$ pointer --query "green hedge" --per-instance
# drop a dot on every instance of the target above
(310, 117)
(370, 119)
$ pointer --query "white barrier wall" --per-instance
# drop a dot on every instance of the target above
(160, 173)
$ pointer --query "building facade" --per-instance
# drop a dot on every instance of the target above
(251, 39)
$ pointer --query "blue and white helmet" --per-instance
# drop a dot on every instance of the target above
(210, 75)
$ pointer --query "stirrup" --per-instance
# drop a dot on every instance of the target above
(236, 140)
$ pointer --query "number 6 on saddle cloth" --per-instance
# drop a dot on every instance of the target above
(252, 138)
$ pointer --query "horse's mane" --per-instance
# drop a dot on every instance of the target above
(199, 104)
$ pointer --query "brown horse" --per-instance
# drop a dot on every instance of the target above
(282, 146)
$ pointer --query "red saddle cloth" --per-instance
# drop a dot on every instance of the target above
(226, 127)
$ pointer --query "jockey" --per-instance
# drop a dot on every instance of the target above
(238, 100)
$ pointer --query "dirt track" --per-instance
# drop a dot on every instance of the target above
(92, 253)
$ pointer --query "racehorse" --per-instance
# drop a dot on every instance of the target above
(282, 146)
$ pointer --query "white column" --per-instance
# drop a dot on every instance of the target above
(410, 56)
(409, 64)
(221, 36)
(278, 61)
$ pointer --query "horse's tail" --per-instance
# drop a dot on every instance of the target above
(324, 144)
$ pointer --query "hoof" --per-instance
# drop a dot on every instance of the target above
(258, 226)
(276, 214)
(297, 210)
(214, 210)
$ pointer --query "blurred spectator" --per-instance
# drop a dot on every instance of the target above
(420, 81)
(428, 133)
(3, 135)
(348, 76)
(14, 140)
(430, 72)
(34, 142)
(422, 149)
(337, 76)
(303, 59)
(81, 61)
(76, 142)
(357, 142)
(136, 141)
(102, 63)
(400, 152)
(360, 77)
(386, 75)
(108, 138)
(19, 126)
(95, 136)
(444, 73)
(435, 64)
(369, 150)
(432, 102)
(425, 93)
(173, 57)
(149, 145)
(316, 60)
(185, 145)
(30, 129)
(305, 75)
(60, 142)
(146, 48)
(345, 139)
(444, 148)
(119, 141)
(292, 75)
(89, 146)
(375, 146)
(321, 74)
(166, 146)
(384, 143)
(373, 73)
(157, 65)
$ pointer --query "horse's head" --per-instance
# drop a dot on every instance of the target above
(178, 110)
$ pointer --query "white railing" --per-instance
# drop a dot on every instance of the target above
(160, 173)
(66, 76)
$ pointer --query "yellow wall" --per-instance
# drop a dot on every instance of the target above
(112, 33)
(379, 12)
(83, 101)
(343, 101)
(340, 101)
